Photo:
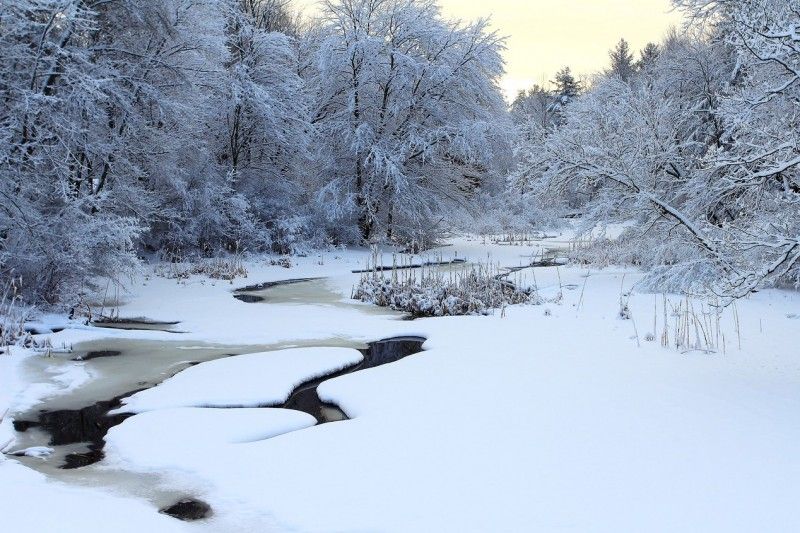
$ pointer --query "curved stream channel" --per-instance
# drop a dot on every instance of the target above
(74, 424)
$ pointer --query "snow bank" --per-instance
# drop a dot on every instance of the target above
(549, 418)
(553, 417)
(170, 438)
(538, 423)
(32, 503)
(265, 378)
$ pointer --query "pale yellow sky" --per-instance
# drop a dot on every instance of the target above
(545, 35)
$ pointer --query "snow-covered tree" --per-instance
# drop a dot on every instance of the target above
(270, 15)
(112, 117)
(406, 113)
(61, 148)
(648, 56)
(265, 149)
(623, 154)
(754, 169)
(700, 148)
(536, 113)
(535, 105)
(177, 76)
(566, 86)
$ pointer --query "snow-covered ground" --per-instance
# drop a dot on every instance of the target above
(258, 379)
(561, 416)
(199, 432)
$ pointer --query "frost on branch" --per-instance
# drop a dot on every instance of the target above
(698, 147)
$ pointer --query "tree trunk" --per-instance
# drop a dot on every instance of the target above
(389, 222)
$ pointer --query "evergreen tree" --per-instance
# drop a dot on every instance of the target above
(567, 87)
(648, 56)
(622, 61)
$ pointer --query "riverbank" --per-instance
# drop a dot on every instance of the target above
(542, 417)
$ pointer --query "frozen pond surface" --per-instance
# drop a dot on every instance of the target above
(140, 364)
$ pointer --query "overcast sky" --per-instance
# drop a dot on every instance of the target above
(544, 35)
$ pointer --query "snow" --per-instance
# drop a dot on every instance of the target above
(588, 406)
(208, 311)
(168, 438)
(34, 451)
(520, 422)
(249, 380)
(548, 417)
(32, 503)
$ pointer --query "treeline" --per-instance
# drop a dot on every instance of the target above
(181, 127)
(194, 127)
(697, 141)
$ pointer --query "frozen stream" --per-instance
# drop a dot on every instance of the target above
(74, 423)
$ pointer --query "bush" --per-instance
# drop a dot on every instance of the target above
(225, 268)
(472, 292)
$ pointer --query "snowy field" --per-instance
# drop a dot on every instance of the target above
(554, 417)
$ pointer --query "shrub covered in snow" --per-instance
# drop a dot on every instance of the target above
(472, 292)
(225, 268)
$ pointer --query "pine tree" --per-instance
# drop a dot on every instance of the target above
(648, 56)
(622, 61)
(567, 87)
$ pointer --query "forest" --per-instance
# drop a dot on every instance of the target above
(189, 128)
